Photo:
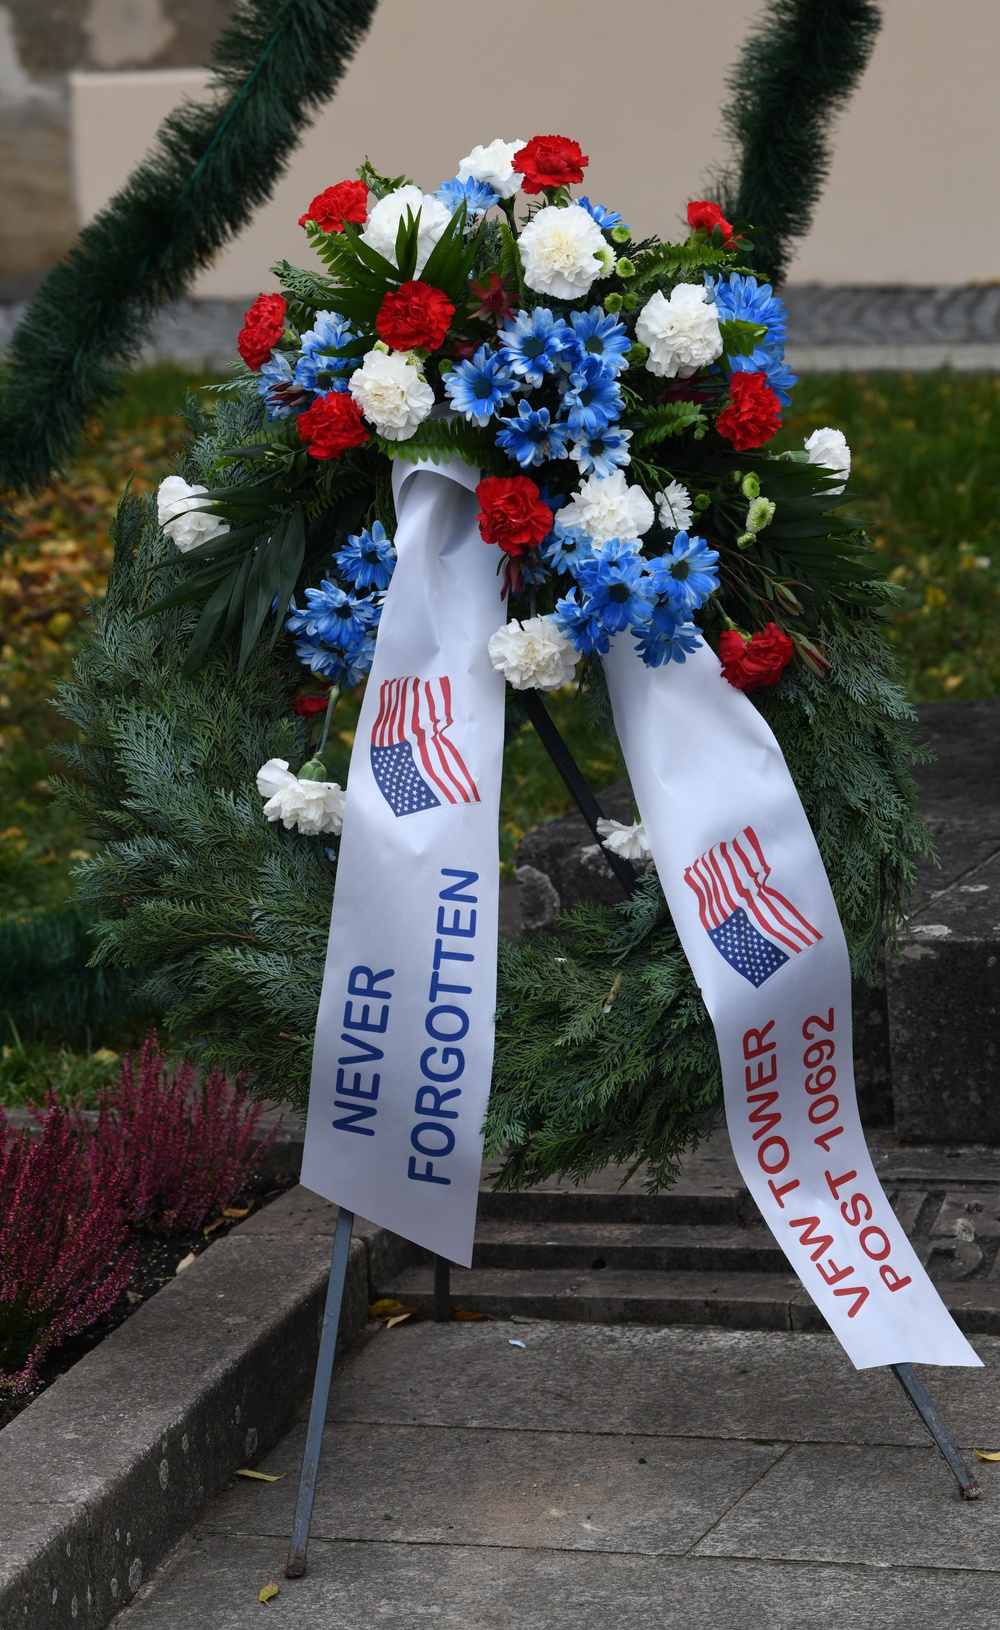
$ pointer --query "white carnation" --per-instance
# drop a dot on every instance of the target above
(682, 333)
(829, 448)
(383, 223)
(312, 806)
(628, 842)
(493, 165)
(184, 519)
(607, 507)
(392, 394)
(533, 654)
(563, 251)
(675, 507)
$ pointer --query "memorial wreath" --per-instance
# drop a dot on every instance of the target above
(616, 398)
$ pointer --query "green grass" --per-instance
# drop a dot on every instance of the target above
(31, 1071)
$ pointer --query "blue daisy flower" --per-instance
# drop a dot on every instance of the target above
(748, 301)
(580, 623)
(601, 335)
(566, 548)
(368, 558)
(666, 639)
(602, 453)
(616, 586)
(318, 368)
(479, 388)
(685, 574)
(779, 376)
(273, 378)
(475, 195)
(345, 667)
(333, 616)
(592, 400)
(605, 218)
(534, 343)
(533, 436)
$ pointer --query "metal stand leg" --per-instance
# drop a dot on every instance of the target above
(442, 1290)
(295, 1566)
(917, 1395)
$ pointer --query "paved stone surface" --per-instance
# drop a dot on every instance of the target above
(599, 1477)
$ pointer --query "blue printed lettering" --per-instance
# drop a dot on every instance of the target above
(426, 1127)
(456, 924)
(358, 1112)
(430, 1099)
(363, 982)
(434, 1018)
(464, 879)
(446, 1053)
(427, 1175)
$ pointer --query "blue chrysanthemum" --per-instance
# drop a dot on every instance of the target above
(777, 372)
(580, 623)
(592, 400)
(277, 372)
(533, 436)
(475, 195)
(566, 548)
(616, 586)
(534, 343)
(479, 388)
(603, 336)
(748, 301)
(604, 452)
(665, 639)
(318, 368)
(368, 558)
(605, 218)
(333, 616)
(686, 573)
(345, 667)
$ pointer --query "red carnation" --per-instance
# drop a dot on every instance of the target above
(753, 415)
(263, 326)
(310, 702)
(512, 513)
(705, 217)
(347, 201)
(759, 660)
(414, 314)
(331, 425)
(550, 161)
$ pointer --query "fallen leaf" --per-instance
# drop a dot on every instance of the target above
(220, 1222)
(258, 1477)
(235, 1212)
(461, 1313)
(186, 1261)
(398, 1318)
(389, 1309)
(980, 1456)
(269, 1592)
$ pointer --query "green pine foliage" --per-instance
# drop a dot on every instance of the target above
(224, 917)
(794, 74)
(275, 65)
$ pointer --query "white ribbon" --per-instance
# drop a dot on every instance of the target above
(753, 907)
(404, 1038)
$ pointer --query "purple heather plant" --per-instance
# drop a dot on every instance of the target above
(63, 1259)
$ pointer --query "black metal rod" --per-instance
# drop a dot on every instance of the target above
(562, 758)
(295, 1565)
(548, 734)
(918, 1397)
(442, 1290)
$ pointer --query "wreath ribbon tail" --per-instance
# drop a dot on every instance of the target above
(404, 1040)
(752, 904)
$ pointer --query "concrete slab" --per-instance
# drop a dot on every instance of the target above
(845, 1502)
(671, 1382)
(213, 1585)
(453, 1486)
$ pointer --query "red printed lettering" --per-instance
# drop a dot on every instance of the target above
(809, 1235)
(754, 1044)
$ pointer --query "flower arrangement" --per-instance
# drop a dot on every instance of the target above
(617, 396)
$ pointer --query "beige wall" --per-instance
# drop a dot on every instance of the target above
(911, 197)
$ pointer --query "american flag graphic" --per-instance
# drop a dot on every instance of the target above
(414, 764)
(754, 927)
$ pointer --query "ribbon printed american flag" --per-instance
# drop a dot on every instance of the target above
(751, 925)
(415, 764)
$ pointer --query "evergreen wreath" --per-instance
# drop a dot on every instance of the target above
(661, 360)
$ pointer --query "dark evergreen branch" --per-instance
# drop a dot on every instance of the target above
(794, 74)
(214, 163)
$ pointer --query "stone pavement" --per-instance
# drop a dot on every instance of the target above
(605, 1476)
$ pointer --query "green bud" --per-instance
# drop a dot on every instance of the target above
(313, 770)
(620, 233)
(637, 354)
(380, 345)
(624, 267)
(760, 514)
(629, 302)
(445, 367)
(745, 539)
(751, 485)
(702, 501)
(612, 302)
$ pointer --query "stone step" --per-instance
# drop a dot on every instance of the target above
(633, 1247)
(709, 1191)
